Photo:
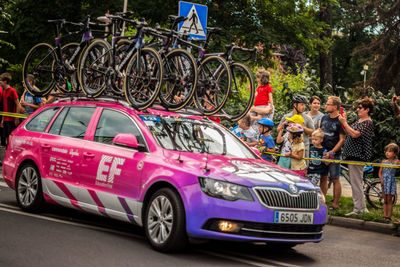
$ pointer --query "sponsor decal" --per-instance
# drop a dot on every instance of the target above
(108, 168)
(61, 150)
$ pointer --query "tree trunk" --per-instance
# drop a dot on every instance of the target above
(325, 57)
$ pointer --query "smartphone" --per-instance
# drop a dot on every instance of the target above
(341, 111)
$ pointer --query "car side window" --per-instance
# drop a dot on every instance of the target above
(76, 121)
(56, 127)
(112, 123)
(40, 122)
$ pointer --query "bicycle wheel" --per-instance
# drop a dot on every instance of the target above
(143, 79)
(94, 68)
(67, 51)
(242, 93)
(374, 196)
(117, 80)
(179, 79)
(213, 85)
(41, 62)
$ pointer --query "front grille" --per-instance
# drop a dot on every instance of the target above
(280, 198)
(272, 230)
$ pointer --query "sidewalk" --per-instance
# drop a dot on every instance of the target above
(383, 228)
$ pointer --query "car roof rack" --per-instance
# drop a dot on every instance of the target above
(74, 96)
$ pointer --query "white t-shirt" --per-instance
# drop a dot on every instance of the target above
(251, 135)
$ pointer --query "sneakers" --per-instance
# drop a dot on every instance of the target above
(365, 210)
(356, 213)
(352, 213)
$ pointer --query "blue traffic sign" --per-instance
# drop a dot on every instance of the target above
(196, 23)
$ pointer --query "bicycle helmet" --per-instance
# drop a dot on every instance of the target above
(295, 128)
(296, 119)
(299, 99)
(266, 122)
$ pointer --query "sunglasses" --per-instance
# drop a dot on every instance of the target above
(360, 107)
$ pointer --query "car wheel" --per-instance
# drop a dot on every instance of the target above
(164, 222)
(28, 188)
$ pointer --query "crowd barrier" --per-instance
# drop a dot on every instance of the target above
(344, 161)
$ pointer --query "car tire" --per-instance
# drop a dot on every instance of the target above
(28, 188)
(164, 221)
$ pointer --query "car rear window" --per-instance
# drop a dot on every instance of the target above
(39, 122)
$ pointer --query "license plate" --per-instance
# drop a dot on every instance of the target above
(293, 217)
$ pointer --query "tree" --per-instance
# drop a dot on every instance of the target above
(325, 55)
(384, 51)
(5, 19)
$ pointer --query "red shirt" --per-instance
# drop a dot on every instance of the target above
(262, 98)
(9, 97)
(216, 119)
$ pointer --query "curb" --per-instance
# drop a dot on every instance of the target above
(383, 228)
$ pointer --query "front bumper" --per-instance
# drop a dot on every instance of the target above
(203, 213)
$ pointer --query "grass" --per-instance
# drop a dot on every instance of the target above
(375, 215)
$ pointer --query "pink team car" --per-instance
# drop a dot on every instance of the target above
(177, 175)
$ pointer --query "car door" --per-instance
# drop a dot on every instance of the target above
(61, 153)
(113, 172)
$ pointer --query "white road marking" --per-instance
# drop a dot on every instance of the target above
(12, 210)
(233, 258)
(3, 184)
(280, 263)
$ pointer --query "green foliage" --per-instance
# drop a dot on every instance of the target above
(286, 85)
(346, 205)
(5, 19)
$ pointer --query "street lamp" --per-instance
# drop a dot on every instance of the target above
(364, 72)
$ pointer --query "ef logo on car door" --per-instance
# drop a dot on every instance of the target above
(108, 168)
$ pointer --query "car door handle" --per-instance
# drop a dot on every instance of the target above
(88, 155)
(45, 146)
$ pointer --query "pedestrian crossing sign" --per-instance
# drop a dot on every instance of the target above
(196, 23)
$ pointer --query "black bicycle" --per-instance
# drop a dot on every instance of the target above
(138, 74)
(57, 66)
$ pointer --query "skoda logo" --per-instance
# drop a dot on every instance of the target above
(293, 188)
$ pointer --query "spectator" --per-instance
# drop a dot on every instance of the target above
(396, 109)
(29, 102)
(284, 138)
(334, 137)
(358, 147)
(10, 104)
(245, 132)
(297, 163)
(299, 106)
(388, 180)
(316, 168)
(314, 113)
(266, 143)
(264, 103)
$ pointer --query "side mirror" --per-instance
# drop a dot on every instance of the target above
(128, 140)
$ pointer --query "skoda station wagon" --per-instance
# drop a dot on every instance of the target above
(176, 175)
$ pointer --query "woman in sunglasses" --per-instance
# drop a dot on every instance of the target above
(358, 147)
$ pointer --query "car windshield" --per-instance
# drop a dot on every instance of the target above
(189, 135)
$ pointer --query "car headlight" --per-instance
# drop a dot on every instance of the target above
(321, 197)
(228, 191)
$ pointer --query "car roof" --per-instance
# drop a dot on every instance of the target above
(121, 104)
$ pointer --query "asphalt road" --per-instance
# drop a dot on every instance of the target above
(64, 237)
